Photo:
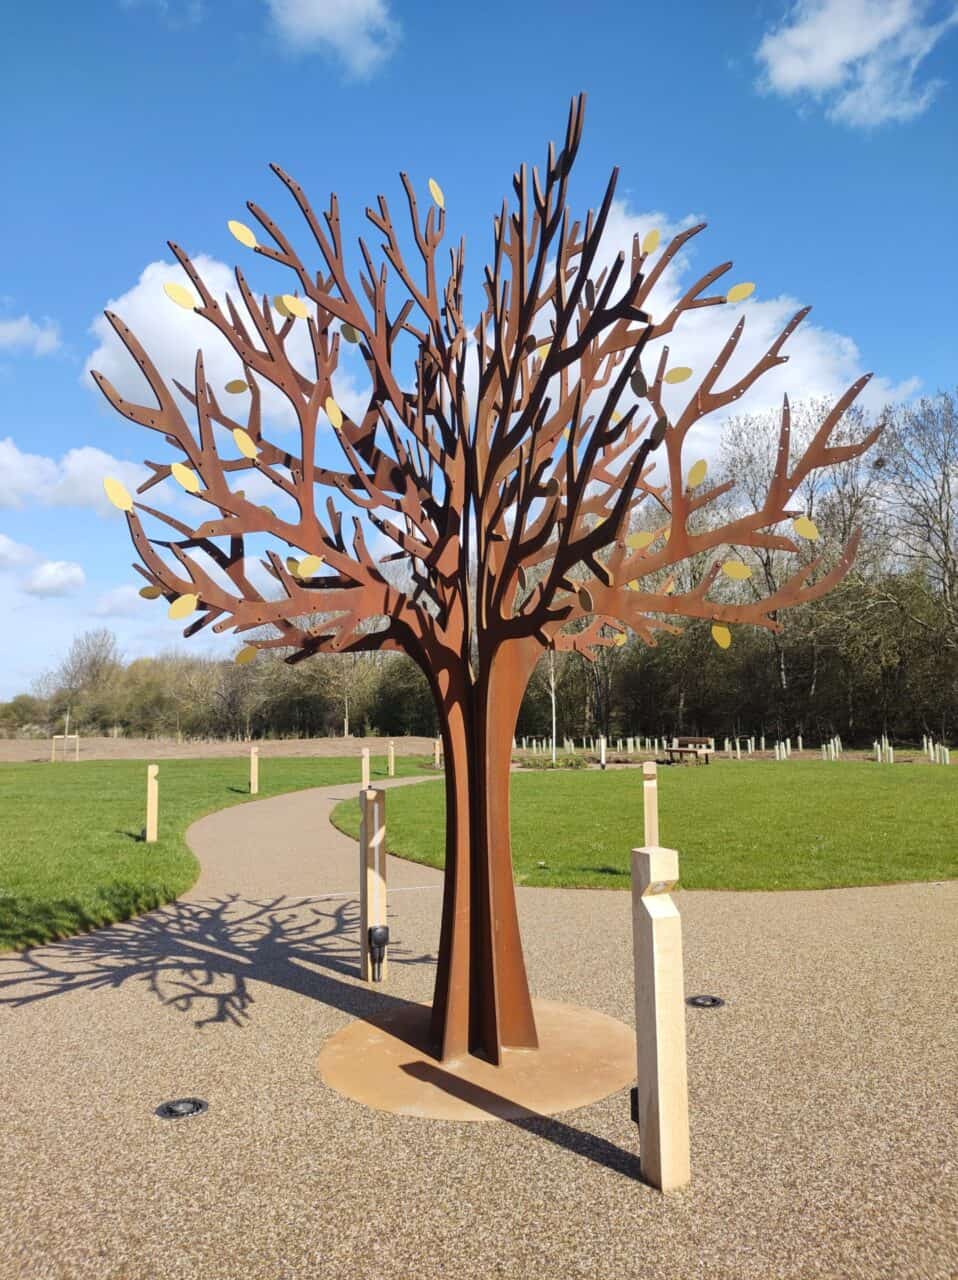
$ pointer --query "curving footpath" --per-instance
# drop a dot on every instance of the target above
(824, 1127)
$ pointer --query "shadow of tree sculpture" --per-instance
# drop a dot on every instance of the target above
(203, 956)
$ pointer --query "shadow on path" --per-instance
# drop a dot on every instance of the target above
(201, 957)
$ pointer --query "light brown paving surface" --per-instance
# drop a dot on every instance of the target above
(823, 1096)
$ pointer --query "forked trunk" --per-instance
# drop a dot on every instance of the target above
(482, 1002)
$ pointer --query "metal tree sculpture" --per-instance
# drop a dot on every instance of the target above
(510, 510)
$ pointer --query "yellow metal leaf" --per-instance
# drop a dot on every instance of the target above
(246, 654)
(334, 413)
(651, 242)
(118, 493)
(566, 433)
(183, 606)
(245, 443)
(639, 540)
(740, 291)
(543, 350)
(634, 585)
(279, 302)
(735, 570)
(236, 387)
(187, 477)
(616, 417)
(269, 510)
(585, 599)
(435, 190)
(242, 233)
(697, 473)
(295, 306)
(620, 639)
(292, 564)
(805, 528)
(680, 373)
(721, 635)
(309, 566)
(349, 333)
(180, 295)
(151, 593)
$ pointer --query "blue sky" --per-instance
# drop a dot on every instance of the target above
(817, 139)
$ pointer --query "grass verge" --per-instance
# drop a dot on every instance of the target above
(71, 857)
(736, 825)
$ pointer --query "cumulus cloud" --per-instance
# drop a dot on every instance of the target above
(24, 334)
(74, 480)
(120, 602)
(14, 554)
(54, 578)
(361, 33)
(821, 362)
(859, 57)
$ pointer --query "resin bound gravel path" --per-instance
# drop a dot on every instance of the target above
(824, 1124)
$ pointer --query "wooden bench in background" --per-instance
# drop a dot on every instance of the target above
(691, 750)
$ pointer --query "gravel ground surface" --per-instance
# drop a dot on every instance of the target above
(824, 1126)
(27, 750)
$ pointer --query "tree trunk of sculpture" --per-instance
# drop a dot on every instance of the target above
(482, 1002)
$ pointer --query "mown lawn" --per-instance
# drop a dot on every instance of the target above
(736, 825)
(70, 854)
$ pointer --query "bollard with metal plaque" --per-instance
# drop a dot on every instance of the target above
(372, 878)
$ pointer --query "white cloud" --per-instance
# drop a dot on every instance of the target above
(76, 480)
(13, 554)
(363, 33)
(860, 57)
(821, 362)
(54, 578)
(23, 333)
(121, 602)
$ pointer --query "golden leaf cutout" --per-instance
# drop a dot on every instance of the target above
(186, 476)
(740, 291)
(118, 493)
(245, 443)
(697, 473)
(349, 333)
(183, 606)
(585, 600)
(179, 294)
(334, 413)
(151, 593)
(735, 570)
(639, 540)
(292, 564)
(680, 373)
(651, 241)
(721, 635)
(435, 190)
(620, 639)
(309, 566)
(805, 528)
(236, 387)
(279, 302)
(295, 306)
(246, 654)
(242, 233)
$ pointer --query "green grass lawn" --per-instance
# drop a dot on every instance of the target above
(70, 854)
(736, 825)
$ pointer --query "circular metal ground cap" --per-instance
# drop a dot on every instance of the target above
(705, 1002)
(180, 1108)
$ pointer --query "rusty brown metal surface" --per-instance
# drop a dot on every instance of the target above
(510, 515)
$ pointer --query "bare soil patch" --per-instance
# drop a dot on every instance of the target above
(25, 750)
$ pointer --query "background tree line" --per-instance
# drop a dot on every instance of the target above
(878, 654)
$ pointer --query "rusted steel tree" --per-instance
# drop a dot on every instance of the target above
(510, 506)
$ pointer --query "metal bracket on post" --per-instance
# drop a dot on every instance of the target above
(372, 877)
(662, 1095)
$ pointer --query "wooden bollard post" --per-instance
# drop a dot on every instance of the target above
(435, 752)
(391, 759)
(372, 874)
(365, 769)
(660, 1020)
(602, 752)
(152, 803)
(254, 771)
(650, 802)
